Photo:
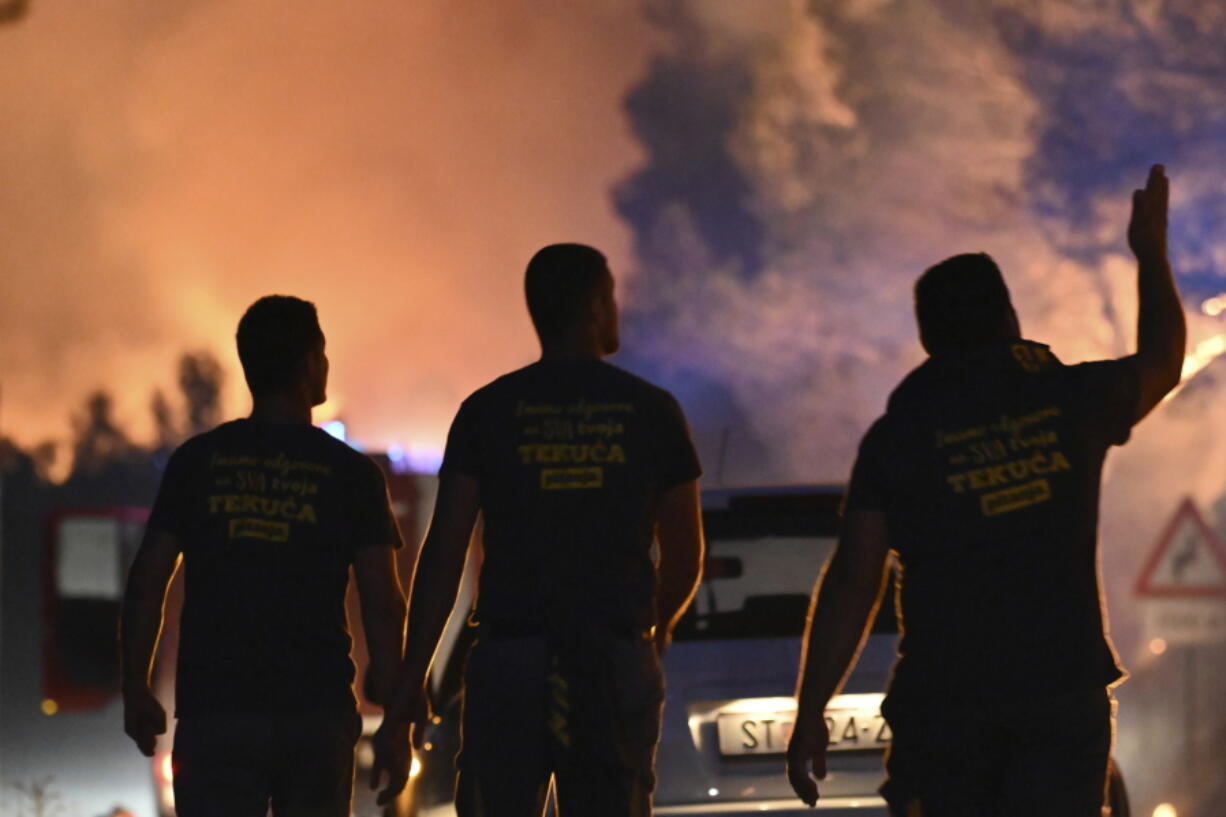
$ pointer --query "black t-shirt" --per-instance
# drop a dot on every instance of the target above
(988, 465)
(269, 516)
(571, 459)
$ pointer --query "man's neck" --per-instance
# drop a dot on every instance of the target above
(571, 351)
(281, 408)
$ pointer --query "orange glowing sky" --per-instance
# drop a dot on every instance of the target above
(166, 164)
(397, 163)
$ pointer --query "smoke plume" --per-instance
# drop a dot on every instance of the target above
(808, 160)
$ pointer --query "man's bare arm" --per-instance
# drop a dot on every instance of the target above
(383, 610)
(436, 582)
(679, 536)
(844, 601)
(140, 629)
(1161, 330)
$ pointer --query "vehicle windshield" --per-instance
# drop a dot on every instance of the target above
(760, 587)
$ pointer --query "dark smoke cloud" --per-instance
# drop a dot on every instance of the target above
(808, 160)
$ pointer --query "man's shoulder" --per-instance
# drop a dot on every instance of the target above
(339, 453)
(500, 389)
(1097, 368)
(308, 441)
(879, 433)
(502, 383)
(529, 377)
(915, 385)
(950, 376)
(206, 440)
(641, 386)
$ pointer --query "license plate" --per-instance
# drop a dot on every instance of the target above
(767, 733)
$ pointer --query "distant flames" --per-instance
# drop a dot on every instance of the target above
(1204, 354)
(1214, 306)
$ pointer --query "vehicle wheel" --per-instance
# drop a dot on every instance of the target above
(1117, 794)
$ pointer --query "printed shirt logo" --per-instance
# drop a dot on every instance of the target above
(1032, 359)
(561, 479)
(263, 497)
(581, 439)
(259, 529)
(1005, 463)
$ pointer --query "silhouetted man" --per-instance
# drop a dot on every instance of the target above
(575, 466)
(983, 477)
(268, 514)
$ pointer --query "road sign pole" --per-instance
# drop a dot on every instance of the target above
(1189, 704)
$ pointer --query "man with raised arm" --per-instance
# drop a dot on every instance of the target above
(983, 478)
(576, 467)
(268, 514)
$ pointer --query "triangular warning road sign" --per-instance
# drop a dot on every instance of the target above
(1188, 560)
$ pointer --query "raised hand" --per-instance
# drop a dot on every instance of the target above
(1147, 226)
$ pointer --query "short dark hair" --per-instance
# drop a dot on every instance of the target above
(559, 284)
(963, 301)
(275, 335)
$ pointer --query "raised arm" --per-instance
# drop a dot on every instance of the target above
(844, 600)
(679, 536)
(1161, 331)
(140, 630)
(383, 610)
(436, 582)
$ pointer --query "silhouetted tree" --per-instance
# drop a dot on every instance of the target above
(97, 440)
(13, 10)
(44, 455)
(108, 468)
(166, 435)
(9, 455)
(200, 379)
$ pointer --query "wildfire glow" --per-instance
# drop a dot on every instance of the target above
(1214, 306)
(327, 411)
(1200, 357)
(166, 768)
(1203, 354)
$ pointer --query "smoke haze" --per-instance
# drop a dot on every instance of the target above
(846, 146)
(164, 165)
(767, 178)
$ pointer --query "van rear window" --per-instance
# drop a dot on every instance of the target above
(760, 588)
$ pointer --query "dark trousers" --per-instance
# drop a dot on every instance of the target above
(1036, 757)
(237, 765)
(587, 713)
